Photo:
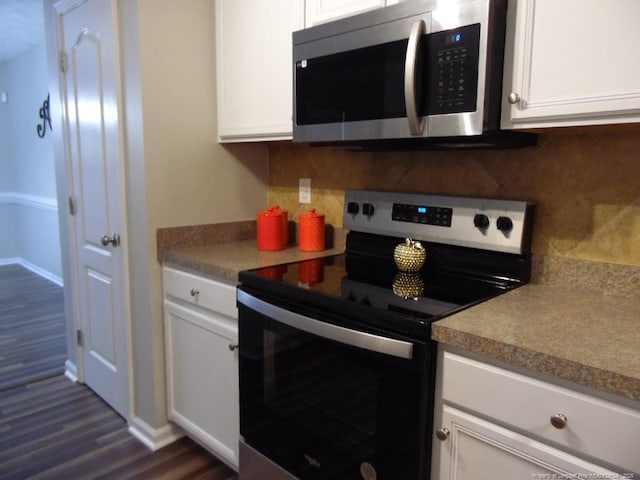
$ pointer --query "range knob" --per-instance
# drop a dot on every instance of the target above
(481, 221)
(504, 224)
(368, 209)
(353, 208)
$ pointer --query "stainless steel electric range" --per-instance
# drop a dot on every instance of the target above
(337, 364)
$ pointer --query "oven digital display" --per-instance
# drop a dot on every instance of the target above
(423, 214)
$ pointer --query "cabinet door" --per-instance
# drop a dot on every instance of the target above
(572, 63)
(254, 68)
(477, 449)
(321, 11)
(202, 378)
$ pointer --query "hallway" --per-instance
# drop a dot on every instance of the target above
(32, 331)
(52, 428)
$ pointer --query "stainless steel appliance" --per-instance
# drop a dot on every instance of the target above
(417, 73)
(336, 362)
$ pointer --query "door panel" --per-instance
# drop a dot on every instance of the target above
(100, 332)
(87, 32)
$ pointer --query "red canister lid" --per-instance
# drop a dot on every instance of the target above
(311, 235)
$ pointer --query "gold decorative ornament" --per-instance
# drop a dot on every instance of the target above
(409, 256)
(408, 285)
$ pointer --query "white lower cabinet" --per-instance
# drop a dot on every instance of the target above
(478, 449)
(491, 422)
(202, 361)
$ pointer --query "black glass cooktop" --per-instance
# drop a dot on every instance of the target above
(373, 291)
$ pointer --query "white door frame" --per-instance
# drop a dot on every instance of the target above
(77, 372)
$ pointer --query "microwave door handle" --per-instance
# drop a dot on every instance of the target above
(416, 125)
(355, 338)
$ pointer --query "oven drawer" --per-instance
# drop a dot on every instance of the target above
(200, 291)
(594, 427)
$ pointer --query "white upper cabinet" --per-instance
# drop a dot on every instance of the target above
(254, 68)
(322, 11)
(571, 63)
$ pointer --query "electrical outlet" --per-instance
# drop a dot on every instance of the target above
(304, 192)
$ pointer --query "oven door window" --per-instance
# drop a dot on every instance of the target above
(325, 410)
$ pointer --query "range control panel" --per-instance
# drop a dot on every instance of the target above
(489, 224)
(424, 214)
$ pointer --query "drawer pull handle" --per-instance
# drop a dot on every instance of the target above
(233, 346)
(194, 292)
(559, 421)
(442, 433)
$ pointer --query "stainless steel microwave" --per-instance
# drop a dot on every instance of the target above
(412, 74)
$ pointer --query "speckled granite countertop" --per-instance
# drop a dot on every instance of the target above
(577, 320)
(226, 260)
(568, 329)
(222, 250)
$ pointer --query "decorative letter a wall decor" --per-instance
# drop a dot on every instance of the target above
(46, 119)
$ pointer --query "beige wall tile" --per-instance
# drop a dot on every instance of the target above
(586, 187)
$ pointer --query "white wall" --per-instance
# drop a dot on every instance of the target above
(177, 173)
(28, 205)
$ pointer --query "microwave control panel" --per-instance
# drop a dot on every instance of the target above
(453, 57)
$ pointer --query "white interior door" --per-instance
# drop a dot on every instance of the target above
(87, 31)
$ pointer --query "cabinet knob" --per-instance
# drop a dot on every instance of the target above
(513, 98)
(233, 346)
(559, 420)
(194, 292)
(442, 433)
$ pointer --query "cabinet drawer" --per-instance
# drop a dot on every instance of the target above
(203, 292)
(594, 427)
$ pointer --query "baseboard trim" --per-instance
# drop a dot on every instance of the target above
(9, 261)
(71, 371)
(154, 438)
(34, 268)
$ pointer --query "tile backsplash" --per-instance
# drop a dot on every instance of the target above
(586, 186)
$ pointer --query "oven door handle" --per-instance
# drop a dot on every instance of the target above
(355, 338)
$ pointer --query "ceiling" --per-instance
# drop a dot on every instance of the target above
(21, 26)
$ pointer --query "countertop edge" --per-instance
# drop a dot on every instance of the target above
(586, 375)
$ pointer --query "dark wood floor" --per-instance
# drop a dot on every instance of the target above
(32, 331)
(52, 428)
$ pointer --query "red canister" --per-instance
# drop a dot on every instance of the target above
(311, 235)
(285, 224)
(270, 231)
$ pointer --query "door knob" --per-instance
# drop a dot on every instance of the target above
(113, 239)
(513, 98)
(442, 433)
